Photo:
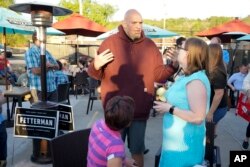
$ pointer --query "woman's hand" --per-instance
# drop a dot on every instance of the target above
(130, 162)
(209, 117)
(161, 107)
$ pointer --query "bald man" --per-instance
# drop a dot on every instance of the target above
(128, 64)
(225, 54)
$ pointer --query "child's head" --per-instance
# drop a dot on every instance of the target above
(119, 112)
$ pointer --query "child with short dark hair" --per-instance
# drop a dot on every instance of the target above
(106, 147)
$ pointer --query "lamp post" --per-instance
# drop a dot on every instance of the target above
(164, 23)
(41, 17)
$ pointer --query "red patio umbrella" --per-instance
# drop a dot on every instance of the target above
(79, 25)
(235, 25)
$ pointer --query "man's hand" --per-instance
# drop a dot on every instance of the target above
(50, 66)
(102, 59)
(172, 54)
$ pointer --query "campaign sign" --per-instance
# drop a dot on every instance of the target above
(36, 123)
(66, 118)
(243, 107)
(239, 158)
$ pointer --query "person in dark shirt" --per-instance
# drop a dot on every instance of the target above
(218, 80)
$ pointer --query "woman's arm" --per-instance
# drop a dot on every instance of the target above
(230, 82)
(117, 162)
(114, 162)
(218, 95)
(197, 101)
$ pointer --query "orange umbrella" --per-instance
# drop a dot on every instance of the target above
(220, 30)
(77, 24)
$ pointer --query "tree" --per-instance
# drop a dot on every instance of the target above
(15, 39)
(6, 3)
(91, 9)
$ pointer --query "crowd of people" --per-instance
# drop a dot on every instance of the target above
(128, 64)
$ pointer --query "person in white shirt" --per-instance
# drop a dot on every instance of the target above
(246, 90)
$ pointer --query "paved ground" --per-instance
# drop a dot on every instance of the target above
(231, 131)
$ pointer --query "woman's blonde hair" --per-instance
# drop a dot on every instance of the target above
(197, 55)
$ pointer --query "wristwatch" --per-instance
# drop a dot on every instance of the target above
(171, 110)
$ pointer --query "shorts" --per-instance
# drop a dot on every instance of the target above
(135, 134)
(219, 114)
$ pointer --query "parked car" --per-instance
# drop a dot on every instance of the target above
(8, 51)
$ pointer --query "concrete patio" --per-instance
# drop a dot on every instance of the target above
(231, 132)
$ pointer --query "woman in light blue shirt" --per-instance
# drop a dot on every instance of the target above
(185, 110)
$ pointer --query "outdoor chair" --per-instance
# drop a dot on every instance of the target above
(63, 93)
(70, 149)
(92, 86)
(15, 101)
(80, 82)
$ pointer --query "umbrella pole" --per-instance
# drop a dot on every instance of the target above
(5, 58)
(75, 61)
(234, 55)
(77, 49)
(42, 38)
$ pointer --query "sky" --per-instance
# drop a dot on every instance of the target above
(158, 9)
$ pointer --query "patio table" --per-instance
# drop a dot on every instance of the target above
(17, 93)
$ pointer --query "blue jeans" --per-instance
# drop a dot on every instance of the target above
(3, 142)
(219, 114)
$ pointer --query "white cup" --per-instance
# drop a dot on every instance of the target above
(10, 87)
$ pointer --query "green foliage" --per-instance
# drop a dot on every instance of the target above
(98, 13)
(247, 19)
(72, 4)
(184, 26)
(6, 3)
(15, 39)
(188, 27)
(113, 25)
(91, 9)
